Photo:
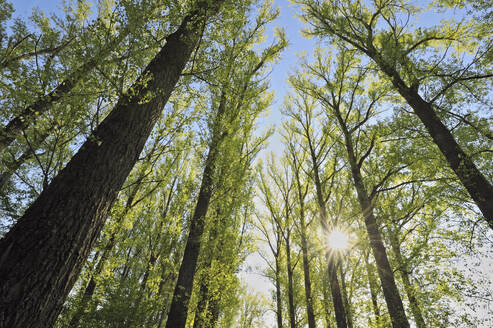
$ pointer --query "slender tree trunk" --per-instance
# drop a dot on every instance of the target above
(326, 302)
(292, 315)
(177, 316)
(306, 272)
(42, 255)
(345, 298)
(28, 115)
(385, 272)
(406, 280)
(372, 285)
(476, 184)
(278, 293)
(335, 288)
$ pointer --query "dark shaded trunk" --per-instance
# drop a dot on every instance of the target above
(476, 184)
(385, 272)
(42, 255)
(345, 298)
(177, 315)
(406, 281)
(373, 286)
(278, 294)
(292, 315)
(335, 288)
(306, 272)
(29, 114)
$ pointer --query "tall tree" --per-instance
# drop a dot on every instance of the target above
(416, 69)
(42, 255)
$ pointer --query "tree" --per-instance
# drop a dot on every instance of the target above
(411, 61)
(40, 263)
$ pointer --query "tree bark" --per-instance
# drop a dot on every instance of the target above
(406, 281)
(372, 285)
(335, 288)
(177, 316)
(385, 272)
(306, 272)
(292, 315)
(345, 298)
(42, 255)
(476, 184)
(278, 294)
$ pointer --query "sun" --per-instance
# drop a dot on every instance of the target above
(338, 240)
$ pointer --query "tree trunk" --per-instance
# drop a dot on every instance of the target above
(373, 290)
(385, 272)
(335, 288)
(408, 287)
(42, 255)
(177, 316)
(345, 298)
(306, 272)
(292, 315)
(476, 184)
(278, 294)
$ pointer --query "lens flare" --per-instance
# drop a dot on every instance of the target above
(338, 240)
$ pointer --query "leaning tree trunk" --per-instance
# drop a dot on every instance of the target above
(385, 272)
(476, 184)
(42, 255)
(278, 293)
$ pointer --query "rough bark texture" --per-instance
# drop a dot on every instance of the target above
(476, 184)
(42, 255)
(385, 272)
(177, 316)
(406, 281)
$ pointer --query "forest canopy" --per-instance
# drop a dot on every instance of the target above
(246, 163)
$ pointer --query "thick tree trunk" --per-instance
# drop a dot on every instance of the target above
(28, 115)
(42, 255)
(476, 184)
(385, 272)
(406, 281)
